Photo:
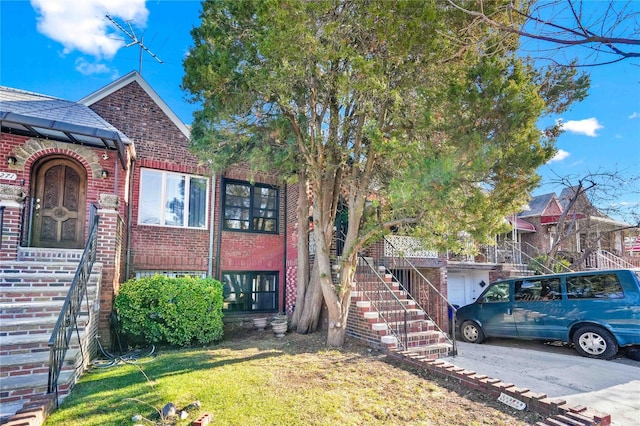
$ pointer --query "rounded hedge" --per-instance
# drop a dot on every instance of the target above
(178, 311)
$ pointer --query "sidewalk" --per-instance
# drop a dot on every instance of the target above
(605, 386)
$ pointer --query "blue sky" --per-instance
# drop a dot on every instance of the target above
(68, 49)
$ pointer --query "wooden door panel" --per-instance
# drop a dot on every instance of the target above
(59, 206)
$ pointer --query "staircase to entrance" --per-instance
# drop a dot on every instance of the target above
(385, 315)
(33, 292)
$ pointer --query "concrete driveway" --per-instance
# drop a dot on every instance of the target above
(611, 387)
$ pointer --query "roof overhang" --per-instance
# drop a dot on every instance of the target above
(522, 225)
(553, 219)
(65, 132)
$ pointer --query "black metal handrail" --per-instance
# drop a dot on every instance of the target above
(1, 223)
(390, 308)
(67, 321)
(400, 262)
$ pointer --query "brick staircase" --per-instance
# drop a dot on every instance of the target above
(377, 318)
(32, 292)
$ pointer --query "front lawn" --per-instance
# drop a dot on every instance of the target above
(253, 378)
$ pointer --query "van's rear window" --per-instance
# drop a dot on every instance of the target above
(597, 286)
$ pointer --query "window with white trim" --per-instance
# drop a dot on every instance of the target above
(172, 199)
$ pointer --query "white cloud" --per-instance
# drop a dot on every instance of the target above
(560, 155)
(81, 24)
(588, 126)
(88, 68)
(634, 115)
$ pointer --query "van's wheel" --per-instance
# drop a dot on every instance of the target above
(471, 332)
(595, 342)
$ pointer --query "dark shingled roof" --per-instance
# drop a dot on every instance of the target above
(537, 205)
(42, 116)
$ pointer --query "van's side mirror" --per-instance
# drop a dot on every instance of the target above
(481, 300)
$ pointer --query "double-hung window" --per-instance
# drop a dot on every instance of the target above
(250, 207)
(172, 199)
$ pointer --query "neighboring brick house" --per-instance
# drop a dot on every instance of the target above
(220, 225)
(591, 228)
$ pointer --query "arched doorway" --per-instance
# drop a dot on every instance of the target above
(59, 208)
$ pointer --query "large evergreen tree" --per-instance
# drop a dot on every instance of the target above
(403, 99)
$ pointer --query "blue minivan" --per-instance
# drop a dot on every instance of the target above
(597, 311)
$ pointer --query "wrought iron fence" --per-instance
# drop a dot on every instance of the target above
(68, 319)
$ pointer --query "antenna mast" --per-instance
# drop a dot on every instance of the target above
(134, 40)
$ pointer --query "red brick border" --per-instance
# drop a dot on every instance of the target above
(561, 412)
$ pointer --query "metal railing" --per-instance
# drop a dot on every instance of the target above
(602, 259)
(1, 223)
(435, 305)
(67, 321)
(384, 300)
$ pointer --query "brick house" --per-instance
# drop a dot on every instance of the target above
(592, 230)
(122, 155)
(245, 249)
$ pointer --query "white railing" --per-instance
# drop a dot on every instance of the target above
(603, 259)
(410, 247)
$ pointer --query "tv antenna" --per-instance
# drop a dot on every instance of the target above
(134, 41)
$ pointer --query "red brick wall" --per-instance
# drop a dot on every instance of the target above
(159, 145)
(31, 151)
(11, 223)
(249, 251)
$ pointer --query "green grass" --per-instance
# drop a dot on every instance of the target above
(253, 378)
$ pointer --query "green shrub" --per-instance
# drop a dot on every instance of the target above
(559, 265)
(179, 311)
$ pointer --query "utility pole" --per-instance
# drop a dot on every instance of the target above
(134, 40)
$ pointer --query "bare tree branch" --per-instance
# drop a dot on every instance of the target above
(613, 32)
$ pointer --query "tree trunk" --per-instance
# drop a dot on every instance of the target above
(303, 283)
(336, 299)
(309, 318)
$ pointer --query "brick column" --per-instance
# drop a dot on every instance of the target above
(108, 253)
(11, 208)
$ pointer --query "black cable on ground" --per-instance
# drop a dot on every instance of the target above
(131, 357)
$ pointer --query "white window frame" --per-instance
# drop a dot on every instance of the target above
(187, 177)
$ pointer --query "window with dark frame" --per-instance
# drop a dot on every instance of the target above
(250, 291)
(251, 207)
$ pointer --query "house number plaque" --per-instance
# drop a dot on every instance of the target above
(8, 176)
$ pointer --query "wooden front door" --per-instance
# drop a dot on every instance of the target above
(60, 203)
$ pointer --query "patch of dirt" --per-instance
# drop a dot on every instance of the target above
(395, 380)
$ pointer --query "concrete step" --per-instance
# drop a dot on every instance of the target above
(38, 254)
(33, 362)
(29, 309)
(36, 335)
(15, 269)
(21, 295)
(435, 351)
